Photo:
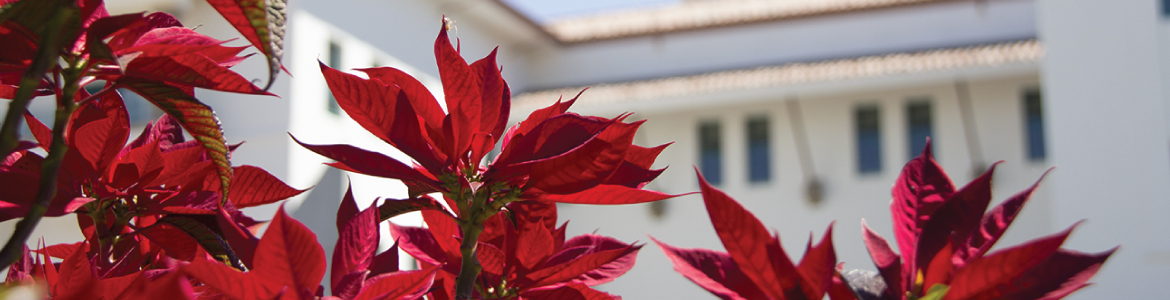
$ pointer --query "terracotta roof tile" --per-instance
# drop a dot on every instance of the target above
(702, 14)
(1027, 51)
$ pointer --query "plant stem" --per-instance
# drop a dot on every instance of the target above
(465, 283)
(14, 248)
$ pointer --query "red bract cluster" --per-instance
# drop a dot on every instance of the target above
(528, 257)
(552, 155)
(944, 238)
(755, 266)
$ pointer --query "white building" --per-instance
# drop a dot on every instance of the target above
(770, 95)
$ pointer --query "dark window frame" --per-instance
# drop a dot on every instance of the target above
(919, 124)
(868, 136)
(1032, 107)
(757, 129)
(710, 141)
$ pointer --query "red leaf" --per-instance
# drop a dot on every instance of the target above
(585, 166)
(356, 160)
(957, 218)
(572, 291)
(419, 243)
(99, 140)
(78, 277)
(291, 255)
(1061, 274)
(262, 23)
(746, 239)
(42, 133)
(981, 276)
(533, 245)
(609, 194)
(385, 262)
(399, 285)
(552, 138)
(490, 258)
(384, 111)
(607, 272)
(887, 262)
(191, 69)
(230, 282)
(357, 242)
(818, 264)
(420, 97)
(447, 234)
(461, 88)
(496, 97)
(567, 271)
(996, 221)
(255, 186)
(714, 271)
(920, 189)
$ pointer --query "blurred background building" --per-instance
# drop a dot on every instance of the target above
(803, 110)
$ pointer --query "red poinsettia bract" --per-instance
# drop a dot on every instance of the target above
(525, 256)
(754, 266)
(944, 238)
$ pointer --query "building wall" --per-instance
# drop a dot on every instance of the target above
(849, 196)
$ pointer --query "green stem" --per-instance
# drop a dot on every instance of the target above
(14, 248)
(465, 282)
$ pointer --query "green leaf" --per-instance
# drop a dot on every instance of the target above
(262, 23)
(393, 207)
(936, 292)
(197, 118)
(206, 238)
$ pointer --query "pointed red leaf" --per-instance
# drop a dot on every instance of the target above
(419, 243)
(533, 245)
(490, 258)
(818, 264)
(496, 97)
(714, 271)
(1061, 274)
(981, 276)
(567, 271)
(446, 232)
(231, 282)
(399, 285)
(357, 242)
(746, 239)
(42, 133)
(957, 218)
(572, 291)
(996, 221)
(552, 138)
(920, 189)
(78, 275)
(385, 262)
(384, 111)
(887, 262)
(420, 97)
(100, 140)
(585, 166)
(607, 272)
(255, 186)
(356, 160)
(461, 88)
(191, 69)
(290, 255)
(609, 194)
(261, 23)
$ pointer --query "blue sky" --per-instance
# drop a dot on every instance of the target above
(542, 11)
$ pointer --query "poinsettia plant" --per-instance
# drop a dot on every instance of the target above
(552, 156)
(943, 234)
(55, 47)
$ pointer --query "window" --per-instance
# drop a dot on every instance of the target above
(918, 124)
(1165, 8)
(334, 62)
(869, 139)
(1034, 124)
(759, 156)
(710, 151)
